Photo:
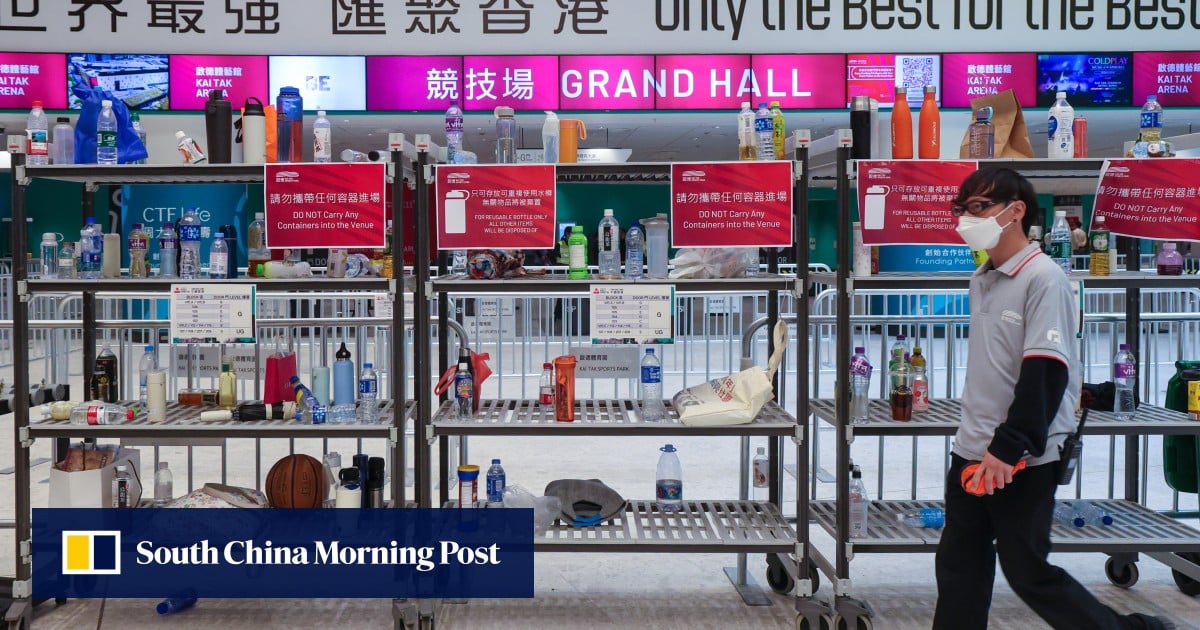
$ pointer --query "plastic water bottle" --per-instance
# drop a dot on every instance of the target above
(147, 364)
(120, 487)
(464, 390)
(106, 134)
(100, 413)
(1124, 375)
(546, 389)
(609, 240)
(924, 517)
(48, 255)
(747, 142)
(760, 475)
(764, 128)
(458, 263)
(322, 138)
(550, 131)
(860, 385)
(62, 145)
(135, 120)
(454, 132)
(634, 251)
(168, 243)
(139, 245)
(164, 485)
(66, 261)
(37, 129)
(189, 245)
(1090, 513)
(1060, 241)
(368, 394)
(898, 360)
(495, 483)
(1060, 129)
(653, 409)
(778, 131)
(668, 482)
(218, 258)
(860, 504)
(90, 249)
(1152, 120)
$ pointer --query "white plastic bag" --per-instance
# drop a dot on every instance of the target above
(734, 399)
(713, 262)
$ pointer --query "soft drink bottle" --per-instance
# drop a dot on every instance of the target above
(139, 245)
(106, 134)
(546, 388)
(778, 131)
(1124, 377)
(1100, 244)
(920, 382)
(577, 267)
(668, 484)
(38, 132)
(464, 390)
(99, 413)
(760, 475)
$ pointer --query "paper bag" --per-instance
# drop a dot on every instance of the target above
(734, 399)
(93, 488)
(1012, 137)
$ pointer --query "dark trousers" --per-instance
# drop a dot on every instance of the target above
(1014, 524)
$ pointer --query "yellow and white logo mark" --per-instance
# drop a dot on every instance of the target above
(91, 553)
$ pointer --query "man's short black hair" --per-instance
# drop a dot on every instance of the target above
(1002, 184)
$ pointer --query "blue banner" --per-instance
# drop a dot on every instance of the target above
(328, 553)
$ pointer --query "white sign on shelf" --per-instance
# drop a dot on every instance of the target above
(221, 313)
(384, 306)
(633, 313)
(494, 319)
(206, 360)
(607, 362)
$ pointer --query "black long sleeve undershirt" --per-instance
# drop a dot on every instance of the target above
(1036, 399)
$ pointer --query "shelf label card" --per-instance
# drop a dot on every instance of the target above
(1150, 198)
(607, 362)
(907, 202)
(731, 204)
(385, 307)
(326, 205)
(206, 361)
(496, 206)
(212, 313)
(633, 313)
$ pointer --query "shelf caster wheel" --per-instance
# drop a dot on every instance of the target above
(425, 622)
(1124, 574)
(1187, 585)
(826, 623)
(858, 623)
(778, 578)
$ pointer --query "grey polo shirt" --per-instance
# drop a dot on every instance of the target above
(1024, 309)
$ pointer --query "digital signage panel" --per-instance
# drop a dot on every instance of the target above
(330, 83)
(968, 76)
(238, 77)
(1089, 79)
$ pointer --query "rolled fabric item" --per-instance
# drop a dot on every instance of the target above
(585, 501)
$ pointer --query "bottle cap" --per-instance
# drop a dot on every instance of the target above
(550, 114)
(495, 462)
(608, 212)
(106, 103)
(856, 473)
(774, 104)
(220, 235)
(37, 103)
(1060, 95)
(49, 236)
(179, 135)
(931, 89)
(901, 337)
(860, 104)
(668, 449)
(900, 89)
(1152, 97)
(64, 119)
(649, 350)
(983, 114)
(745, 104)
(90, 220)
(258, 269)
(859, 350)
(367, 366)
(1124, 346)
(1100, 218)
(1169, 246)
(1060, 213)
(348, 474)
(121, 468)
(635, 224)
(320, 113)
(577, 229)
(504, 111)
(761, 450)
(259, 216)
(162, 465)
(149, 348)
(762, 104)
(547, 365)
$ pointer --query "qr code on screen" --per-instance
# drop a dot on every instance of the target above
(917, 71)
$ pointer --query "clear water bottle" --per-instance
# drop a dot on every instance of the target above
(120, 487)
(634, 251)
(860, 385)
(653, 409)
(164, 485)
(609, 241)
(1090, 513)
(62, 146)
(546, 389)
(898, 365)
(860, 504)
(506, 135)
(1124, 375)
(322, 138)
(760, 475)
(168, 243)
(189, 245)
(1065, 513)
(218, 258)
(668, 483)
(1060, 129)
(495, 483)
(106, 134)
(139, 245)
(454, 133)
(1060, 241)
(764, 128)
(924, 517)
(747, 142)
(37, 130)
(752, 261)
(48, 255)
(550, 133)
(368, 394)
(66, 261)
(135, 120)
(148, 363)
(458, 263)
(1152, 120)
(100, 413)
(89, 257)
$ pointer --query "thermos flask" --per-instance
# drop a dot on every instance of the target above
(218, 125)
(253, 132)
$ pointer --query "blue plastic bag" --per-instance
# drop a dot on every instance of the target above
(129, 146)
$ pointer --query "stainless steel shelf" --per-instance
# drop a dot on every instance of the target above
(184, 421)
(150, 285)
(1135, 528)
(614, 173)
(960, 280)
(944, 415)
(150, 173)
(699, 527)
(598, 417)
(562, 284)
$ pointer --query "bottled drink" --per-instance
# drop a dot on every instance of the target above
(62, 146)
(48, 255)
(164, 485)
(860, 385)
(1060, 129)
(218, 258)
(550, 131)
(1152, 120)
(982, 137)
(546, 388)
(930, 121)
(106, 134)
(308, 409)
(1169, 261)
(1090, 513)
(860, 504)
(66, 261)
(454, 132)
(168, 245)
(760, 475)
(495, 483)
(98, 413)
(231, 247)
(1100, 245)
(747, 142)
(668, 483)
(924, 517)
(464, 389)
(764, 129)
(120, 487)
(91, 247)
(634, 251)
(778, 131)
(577, 254)
(189, 245)
(368, 394)
(289, 112)
(256, 249)
(609, 240)
(189, 149)
(861, 128)
(1060, 241)
(656, 229)
(136, 121)
(227, 386)
(898, 359)
(902, 135)
(349, 492)
(1124, 377)
(322, 138)
(920, 383)
(139, 245)
(653, 409)
(146, 364)
(506, 136)
(37, 130)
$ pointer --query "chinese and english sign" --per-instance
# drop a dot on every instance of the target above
(29, 77)
(1174, 77)
(325, 205)
(212, 313)
(204, 360)
(496, 206)
(731, 204)
(238, 77)
(969, 76)
(907, 202)
(607, 362)
(1154, 199)
(633, 313)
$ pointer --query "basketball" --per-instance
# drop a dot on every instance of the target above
(296, 481)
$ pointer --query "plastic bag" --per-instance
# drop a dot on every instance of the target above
(711, 262)
(545, 509)
(734, 399)
(129, 146)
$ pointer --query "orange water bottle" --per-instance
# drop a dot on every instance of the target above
(930, 140)
(902, 126)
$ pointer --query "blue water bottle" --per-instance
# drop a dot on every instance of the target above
(289, 111)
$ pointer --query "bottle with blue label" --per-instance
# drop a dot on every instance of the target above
(668, 485)
(189, 245)
(653, 409)
(495, 483)
(368, 394)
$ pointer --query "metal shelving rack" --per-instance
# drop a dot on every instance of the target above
(181, 422)
(1137, 529)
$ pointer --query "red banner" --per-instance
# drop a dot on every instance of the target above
(325, 205)
(731, 204)
(496, 206)
(1150, 198)
(907, 202)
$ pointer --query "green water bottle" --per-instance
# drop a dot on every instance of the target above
(577, 254)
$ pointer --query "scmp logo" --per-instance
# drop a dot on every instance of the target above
(91, 553)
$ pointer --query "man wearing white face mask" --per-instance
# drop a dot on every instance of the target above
(1018, 406)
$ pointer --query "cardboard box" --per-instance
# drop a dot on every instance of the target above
(93, 488)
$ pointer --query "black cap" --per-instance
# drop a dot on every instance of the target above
(375, 466)
(216, 95)
(253, 107)
(348, 474)
(64, 119)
